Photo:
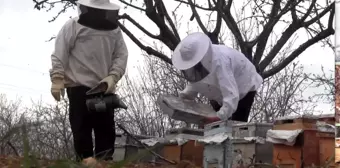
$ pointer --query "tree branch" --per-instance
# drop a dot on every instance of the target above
(147, 49)
(277, 47)
(196, 6)
(166, 35)
(267, 29)
(231, 23)
(317, 17)
(309, 10)
(133, 6)
(197, 17)
(218, 22)
(126, 16)
(298, 51)
(287, 34)
(171, 23)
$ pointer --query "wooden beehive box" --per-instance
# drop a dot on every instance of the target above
(328, 118)
(306, 151)
(326, 148)
(252, 151)
(190, 150)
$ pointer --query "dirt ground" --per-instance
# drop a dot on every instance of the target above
(16, 162)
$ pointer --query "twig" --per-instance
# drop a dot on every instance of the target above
(154, 153)
(13, 148)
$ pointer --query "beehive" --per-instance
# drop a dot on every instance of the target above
(126, 147)
(218, 155)
(326, 148)
(307, 149)
(190, 150)
(249, 143)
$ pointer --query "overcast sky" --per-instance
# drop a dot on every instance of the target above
(25, 54)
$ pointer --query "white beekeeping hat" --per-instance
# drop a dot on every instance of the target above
(191, 50)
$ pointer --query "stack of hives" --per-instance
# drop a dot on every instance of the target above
(302, 142)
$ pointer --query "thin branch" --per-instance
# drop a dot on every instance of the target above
(277, 47)
(218, 22)
(298, 51)
(231, 23)
(309, 10)
(197, 6)
(316, 18)
(147, 49)
(126, 16)
(167, 36)
(267, 29)
(13, 148)
(197, 17)
(171, 23)
(133, 6)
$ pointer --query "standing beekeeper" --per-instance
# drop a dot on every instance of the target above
(219, 73)
(89, 50)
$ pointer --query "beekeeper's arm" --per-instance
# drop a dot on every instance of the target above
(189, 92)
(119, 62)
(59, 58)
(229, 89)
(63, 42)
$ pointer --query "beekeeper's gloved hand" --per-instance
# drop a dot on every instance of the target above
(57, 88)
(111, 82)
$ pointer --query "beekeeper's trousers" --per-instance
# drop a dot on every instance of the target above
(243, 108)
(83, 122)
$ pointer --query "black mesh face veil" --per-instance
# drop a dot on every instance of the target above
(98, 18)
(196, 73)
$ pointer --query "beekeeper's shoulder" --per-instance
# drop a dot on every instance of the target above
(116, 33)
(70, 25)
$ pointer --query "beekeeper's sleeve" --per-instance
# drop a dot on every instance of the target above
(229, 90)
(63, 42)
(120, 57)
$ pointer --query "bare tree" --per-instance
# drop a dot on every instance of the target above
(53, 138)
(10, 114)
(259, 20)
(141, 93)
(324, 80)
(283, 94)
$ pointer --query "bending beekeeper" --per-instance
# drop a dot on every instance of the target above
(89, 50)
(219, 73)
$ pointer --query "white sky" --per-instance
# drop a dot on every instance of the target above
(25, 56)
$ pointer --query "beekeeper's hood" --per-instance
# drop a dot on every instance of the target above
(98, 14)
(193, 56)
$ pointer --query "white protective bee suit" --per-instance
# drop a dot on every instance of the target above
(218, 72)
(89, 50)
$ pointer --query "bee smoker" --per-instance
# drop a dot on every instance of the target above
(101, 102)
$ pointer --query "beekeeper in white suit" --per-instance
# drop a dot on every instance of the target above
(219, 73)
(89, 50)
